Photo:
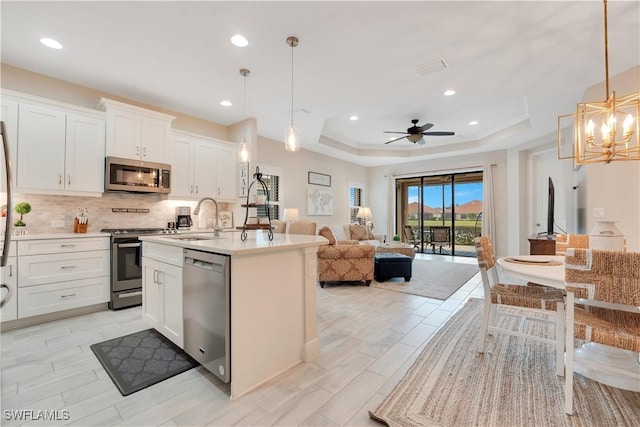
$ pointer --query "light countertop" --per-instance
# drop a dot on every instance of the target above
(231, 244)
(37, 236)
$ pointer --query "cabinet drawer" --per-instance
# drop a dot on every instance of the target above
(41, 269)
(34, 300)
(55, 246)
(163, 253)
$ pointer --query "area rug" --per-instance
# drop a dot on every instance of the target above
(141, 359)
(512, 384)
(432, 279)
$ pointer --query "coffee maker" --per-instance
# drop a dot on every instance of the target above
(183, 217)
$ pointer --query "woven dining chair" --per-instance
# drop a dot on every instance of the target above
(529, 298)
(566, 241)
(603, 306)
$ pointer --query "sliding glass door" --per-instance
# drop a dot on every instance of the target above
(441, 213)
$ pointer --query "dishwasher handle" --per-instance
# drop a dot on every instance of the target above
(205, 265)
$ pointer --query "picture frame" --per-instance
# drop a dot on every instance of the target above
(226, 219)
(316, 178)
(319, 201)
(243, 179)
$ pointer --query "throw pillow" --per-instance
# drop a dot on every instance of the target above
(327, 234)
(360, 232)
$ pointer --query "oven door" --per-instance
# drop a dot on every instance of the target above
(127, 264)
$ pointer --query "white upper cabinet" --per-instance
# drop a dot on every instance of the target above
(59, 151)
(203, 167)
(41, 147)
(137, 133)
(226, 169)
(84, 154)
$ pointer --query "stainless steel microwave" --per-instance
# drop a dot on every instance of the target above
(137, 176)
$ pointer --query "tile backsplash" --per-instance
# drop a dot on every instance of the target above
(48, 211)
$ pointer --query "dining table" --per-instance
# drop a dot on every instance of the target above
(608, 365)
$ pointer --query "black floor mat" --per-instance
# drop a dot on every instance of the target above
(141, 359)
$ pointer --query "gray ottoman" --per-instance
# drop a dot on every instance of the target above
(390, 264)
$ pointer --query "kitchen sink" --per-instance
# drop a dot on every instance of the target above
(193, 238)
(188, 238)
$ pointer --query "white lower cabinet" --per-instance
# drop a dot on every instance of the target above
(162, 291)
(61, 274)
(42, 299)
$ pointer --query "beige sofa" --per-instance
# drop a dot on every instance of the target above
(360, 233)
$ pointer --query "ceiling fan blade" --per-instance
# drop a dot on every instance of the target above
(390, 131)
(425, 127)
(438, 133)
(394, 140)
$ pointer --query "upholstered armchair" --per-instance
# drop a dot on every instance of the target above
(345, 260)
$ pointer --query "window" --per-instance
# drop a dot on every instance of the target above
(272, 177)
(355, 201)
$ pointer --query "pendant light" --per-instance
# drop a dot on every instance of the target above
(292, 134)
(616, 137)
(244, 153)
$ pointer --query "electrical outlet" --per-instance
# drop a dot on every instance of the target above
(598, 212)
(57, 224)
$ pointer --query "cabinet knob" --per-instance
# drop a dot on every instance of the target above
(68, 179)
(144, 151)
(60, 178)
(191, 189)
(196, 189)
(137, 150)
(67, 296)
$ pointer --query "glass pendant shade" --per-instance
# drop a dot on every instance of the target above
(292, 138)
(244, 153)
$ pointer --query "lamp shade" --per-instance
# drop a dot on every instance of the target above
(291, 214)
(364, 212)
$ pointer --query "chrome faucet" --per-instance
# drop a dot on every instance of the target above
(216, 226)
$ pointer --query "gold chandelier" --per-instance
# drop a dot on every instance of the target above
(617, 118)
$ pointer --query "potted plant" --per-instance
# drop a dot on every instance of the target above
(22, 208)
(396, 238)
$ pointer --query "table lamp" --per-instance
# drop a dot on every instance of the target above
(290, 214)
(365, 213)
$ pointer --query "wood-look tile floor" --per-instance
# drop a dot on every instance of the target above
(368, 339)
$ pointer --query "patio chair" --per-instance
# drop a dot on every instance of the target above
(606, 285)
(440, 236)
(530, 299)
(411, 236)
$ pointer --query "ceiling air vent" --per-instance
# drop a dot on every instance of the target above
(430, 67)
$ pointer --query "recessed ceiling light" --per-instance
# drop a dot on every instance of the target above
(473, 123)
(353, 118)
(53, 44)
(226, 103)
(239, 40)
(449, 92)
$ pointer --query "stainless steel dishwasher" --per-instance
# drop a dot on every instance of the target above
(206, 302)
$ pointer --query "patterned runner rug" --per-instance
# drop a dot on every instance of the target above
(512, 384)
(431, 279)
(141, 359)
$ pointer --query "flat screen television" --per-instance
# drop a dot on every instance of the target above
(550, 208)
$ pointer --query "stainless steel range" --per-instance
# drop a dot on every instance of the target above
(126, 264)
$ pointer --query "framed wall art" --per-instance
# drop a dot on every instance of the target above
(319, 179)
(226, 219)
(319, 202)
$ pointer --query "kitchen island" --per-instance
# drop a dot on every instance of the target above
(272, 298)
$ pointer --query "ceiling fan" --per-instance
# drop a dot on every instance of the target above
(415, 133)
